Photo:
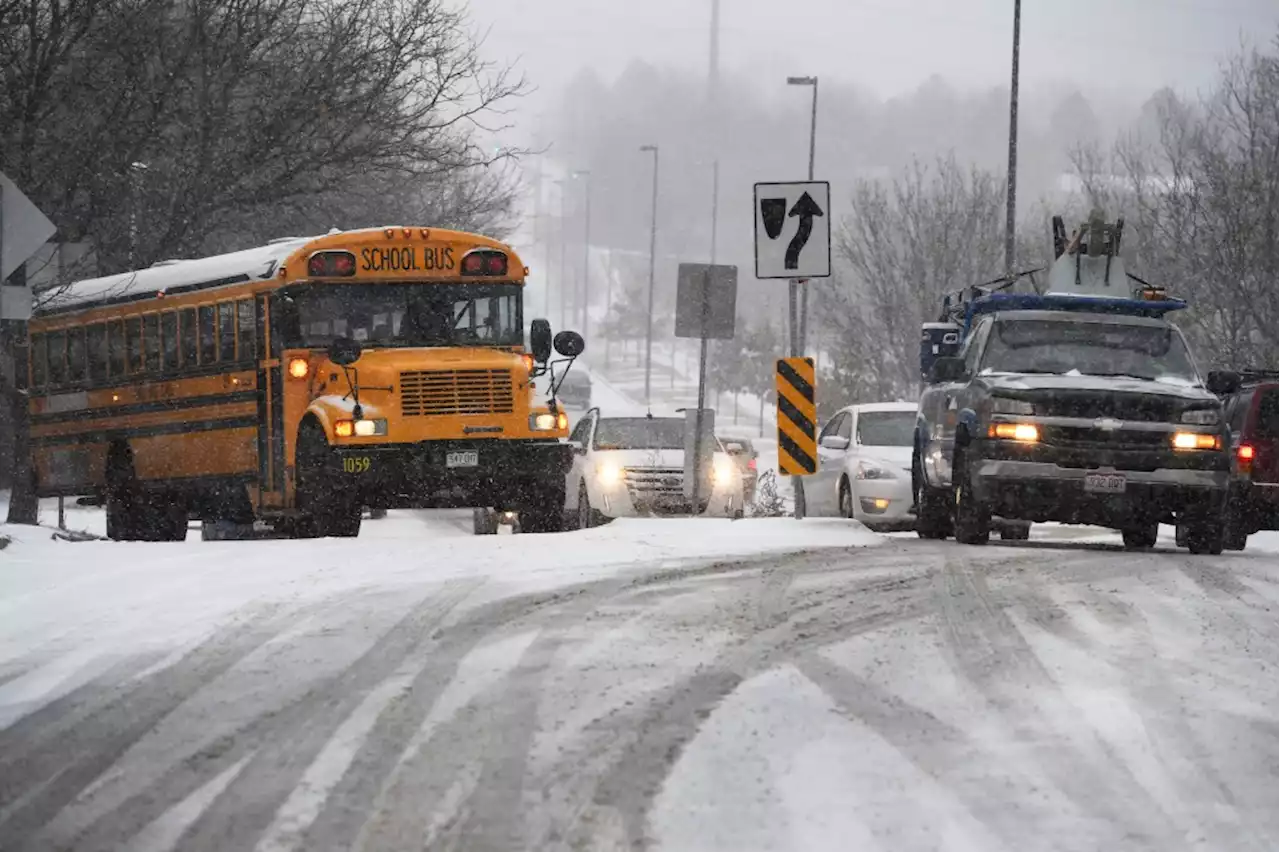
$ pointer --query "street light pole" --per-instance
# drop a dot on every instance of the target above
(1012, 200)
(653, 241)
(586, 247)
(799, 325)
(803, 287)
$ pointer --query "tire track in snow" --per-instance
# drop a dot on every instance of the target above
(986, 649)
(279, 744)
(67, 760)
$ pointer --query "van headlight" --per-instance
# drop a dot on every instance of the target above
(722, 471)
(1202, 417)
(608, 473)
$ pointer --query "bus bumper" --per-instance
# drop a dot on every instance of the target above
(455, 474)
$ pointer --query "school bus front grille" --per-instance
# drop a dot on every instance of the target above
(439, 392)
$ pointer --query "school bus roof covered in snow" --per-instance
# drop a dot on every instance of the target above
(171, 277)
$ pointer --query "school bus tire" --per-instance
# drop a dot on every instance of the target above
(326, 508)
(544, 512)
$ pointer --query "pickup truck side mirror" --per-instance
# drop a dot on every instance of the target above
(1222, 382)
(946, 369)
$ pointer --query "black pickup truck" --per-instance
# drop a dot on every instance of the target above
(1082, 411)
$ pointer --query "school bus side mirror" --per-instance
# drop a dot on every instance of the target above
(570, 344)
(344, 351)
(540, 340)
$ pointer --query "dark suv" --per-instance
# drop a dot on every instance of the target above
(1252, 503)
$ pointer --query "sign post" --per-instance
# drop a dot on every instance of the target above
(706, 308)
(793, 241)
(23, 230)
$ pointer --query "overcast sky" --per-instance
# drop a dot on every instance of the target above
(885, 46)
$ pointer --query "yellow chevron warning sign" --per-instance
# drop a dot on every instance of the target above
(797, 417)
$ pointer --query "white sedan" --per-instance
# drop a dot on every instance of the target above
(864, 466)
(634, 466)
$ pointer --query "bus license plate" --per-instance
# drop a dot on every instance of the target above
(467, 458)
(1104, 483)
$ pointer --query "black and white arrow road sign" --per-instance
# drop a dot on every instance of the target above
(793, 229)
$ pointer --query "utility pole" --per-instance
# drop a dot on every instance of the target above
(799, 294)
(1012, 200)
(561, 287)
(653, 241)
(586, 248)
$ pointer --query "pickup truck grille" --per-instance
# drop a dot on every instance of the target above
(1082, 436)
(441, 392)
(1091, 406)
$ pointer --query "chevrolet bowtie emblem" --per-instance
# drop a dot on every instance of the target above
(1107, 424)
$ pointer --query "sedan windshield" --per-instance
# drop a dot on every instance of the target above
(1153, 352)
(404, 314)
(886, 428)
(640, 433)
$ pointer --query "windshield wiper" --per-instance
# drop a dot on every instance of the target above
(1121, 376)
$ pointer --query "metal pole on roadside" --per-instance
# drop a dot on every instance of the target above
(704, 312)
(586, 249)
(653, 241)
(1011, 201)
(798, 291)
(564, 270)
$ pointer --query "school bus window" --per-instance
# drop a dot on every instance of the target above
(151, 341)
(39, 361)
(227, 332)
(116, 347)
(75, 355)
(247, 336)
(169, 339)
(208, 343)
(133, 342)
(189, 358)
(97, 352)
(57, 357)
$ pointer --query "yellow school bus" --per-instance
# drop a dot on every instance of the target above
(296, 383)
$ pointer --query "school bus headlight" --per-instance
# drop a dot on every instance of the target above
(299, 367)
(1028, 433)
(1195, 441)
(371, 428)
(542, 422)
(344, 428)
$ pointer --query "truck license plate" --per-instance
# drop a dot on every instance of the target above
(466, 458)
(1104, 483)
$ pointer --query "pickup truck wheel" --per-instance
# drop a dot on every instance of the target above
(1140, 536)
(933, 510)
(1205, 535)
(973, 520)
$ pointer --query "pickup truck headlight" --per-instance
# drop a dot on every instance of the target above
(1005, 405)
(871, 470)
(1202, 416)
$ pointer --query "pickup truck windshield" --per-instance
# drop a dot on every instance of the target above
(1157, 353)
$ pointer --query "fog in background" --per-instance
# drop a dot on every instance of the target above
(899, 81)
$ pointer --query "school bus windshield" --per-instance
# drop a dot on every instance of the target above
(393, 315)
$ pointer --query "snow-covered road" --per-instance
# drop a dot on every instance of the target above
(641, 685)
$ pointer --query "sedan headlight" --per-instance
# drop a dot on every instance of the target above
(1005, 405)
(1202, 417)
(871, 470)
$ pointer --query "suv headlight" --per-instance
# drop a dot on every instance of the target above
(1202, 416)
(871, 470)
(1005, 405)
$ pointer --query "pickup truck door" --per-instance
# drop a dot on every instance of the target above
(941, 404)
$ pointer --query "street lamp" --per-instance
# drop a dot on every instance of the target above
(1012, 199)
(653, 239)
(586, 244)
(564, 270)
(798, 340)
